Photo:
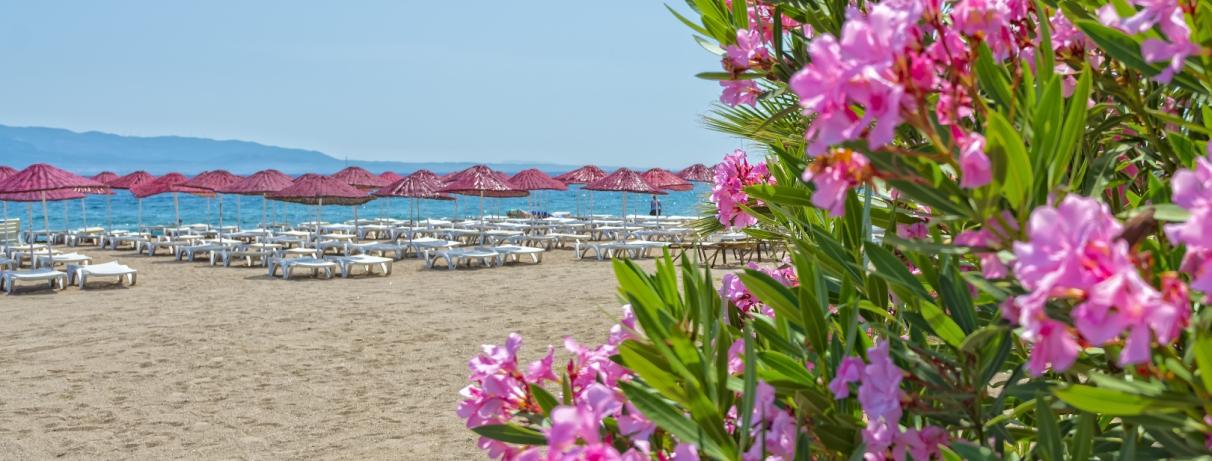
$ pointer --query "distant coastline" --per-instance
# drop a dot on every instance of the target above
(91, 152)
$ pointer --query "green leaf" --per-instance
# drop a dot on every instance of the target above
(993, 78)
(1108, 401)
(1126, 49)
(669, 418)
(1044, 61)
(1008, 154)
(1083, 443)
(893, 270)
(687, 22)
(748, 397)
(545, 400)
(787, 369)
(1072, 131)
(955, 296)
(1203, 358)
(942, 325)
(511, 433)
(1050, 443)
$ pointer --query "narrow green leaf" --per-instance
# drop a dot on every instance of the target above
(1203, 358)
(545, 400)
(1011, 165)
(1083, 442)
(942, 325)
(669, 418)
(1107, 401)
(1048, 429)
(511, 433)
(893, 270)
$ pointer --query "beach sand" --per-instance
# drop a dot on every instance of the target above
(197, 362)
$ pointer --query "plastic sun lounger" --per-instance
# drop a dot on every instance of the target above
(455, 256)
(62, 258)
(289, 265)
(245, 254)
(397, 250)
(348, 263)
(516, 251)
(188, 253)
(9, 279)
(80, 274)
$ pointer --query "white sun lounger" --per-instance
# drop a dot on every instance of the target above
(455, 256)
(10, 278)
(61, 258)
(348, 263)
(248, 255)
(516, 251)
(80, 274)
(188, 253)
(289, 265)
(397, 250)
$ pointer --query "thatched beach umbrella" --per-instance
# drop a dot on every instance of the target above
(697, 173)
(624, 180)
(170, 183)
(131, 180)
(582, 175)
(5, 172)
(214, 180)
(314, 189)
(663, 179)
(532, 180)
(261, 183)
(481, 180)
(42, 179)
(104, 177)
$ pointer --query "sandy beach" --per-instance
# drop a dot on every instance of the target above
(197, 362)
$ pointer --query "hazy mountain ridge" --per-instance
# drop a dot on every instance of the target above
(93, 151)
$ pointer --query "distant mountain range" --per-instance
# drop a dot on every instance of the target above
(92, 152)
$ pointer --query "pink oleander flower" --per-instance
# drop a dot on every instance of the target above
(921, 444)
(954, 104)
(736, 362)
(1054, 346)
(992, 21)
(975, 169)
(857, 68)
(915, 231)
(728, 193)
(1071, 246)
(1125, 302)
(1192, 190)
(880, 391)
(749, 50)
(739, 92)
(686, 452)
(834, 175)
(1167, 15)
(991, 236)
(775, 428)
(847, 372)
(732, 290)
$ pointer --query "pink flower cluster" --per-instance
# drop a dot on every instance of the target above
(994, 21)
(1074, 252)
(834, 175)
(773, 428)
(975, 169)
(732, 290)
(731, 177)
(749, 52)
(991, 237)
(500, 393)
(1166, 15)
(857, 69)
(1193, 191)
(879, 394)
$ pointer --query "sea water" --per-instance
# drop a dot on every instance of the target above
(121, 210)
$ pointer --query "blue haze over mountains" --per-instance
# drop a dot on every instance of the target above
(92, 152)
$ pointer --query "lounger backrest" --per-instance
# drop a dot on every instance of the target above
(10, 232)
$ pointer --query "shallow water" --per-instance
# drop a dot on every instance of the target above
(158, 210)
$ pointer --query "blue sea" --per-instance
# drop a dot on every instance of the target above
(158, 210)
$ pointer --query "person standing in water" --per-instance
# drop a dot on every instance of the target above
(654, 206)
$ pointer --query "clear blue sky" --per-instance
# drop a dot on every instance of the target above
(563, 81)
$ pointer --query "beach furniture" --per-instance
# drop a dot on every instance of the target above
(190, 252)
(562, 239)
(288, 266)
(9, 279)
(456, 256)
(366, 262)
(397, 250)
(52, 260)
(118, 240)
(517, 251)
(80, 274)
(260, 253)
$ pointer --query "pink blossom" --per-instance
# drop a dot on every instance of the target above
(1054, 346)
(686, 452)
(992, 20)
(847, 372)
(732, 290)
(880, 391)
(856, 68)
(834, 175)
(1167, 16)
(1071, 246)
(775, 427)
(916, 231)
(736, 352)
(749, 50)
(738, 92)
(728, 193)
(975, 169)
(922, 444)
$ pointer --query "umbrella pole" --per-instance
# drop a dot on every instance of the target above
(46, 227)
(65, 223)
(83, 212)
(357, 225)
(481, 207)
(237, 212)
(5, 204)
(624, 231)
(264, 204)
(177, 208)
(109, 220)
(220, 220)
(140, 215)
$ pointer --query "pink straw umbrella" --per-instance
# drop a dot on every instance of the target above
(131, 180)
(4, 173)
(104, 177)
(314, 189)
(260, 183)
(414, 187)
(624, 180)
(42, 179)
(170, 183)
(697, 173)
(665, 180)
(360, 178)
(532, 179)
(582, 175)
(390, 176)
(482, 181)
(214, 180)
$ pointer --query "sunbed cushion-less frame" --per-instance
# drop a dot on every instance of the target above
(10, 278)
(81, 274)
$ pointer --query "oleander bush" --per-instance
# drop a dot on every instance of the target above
(998, 215)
